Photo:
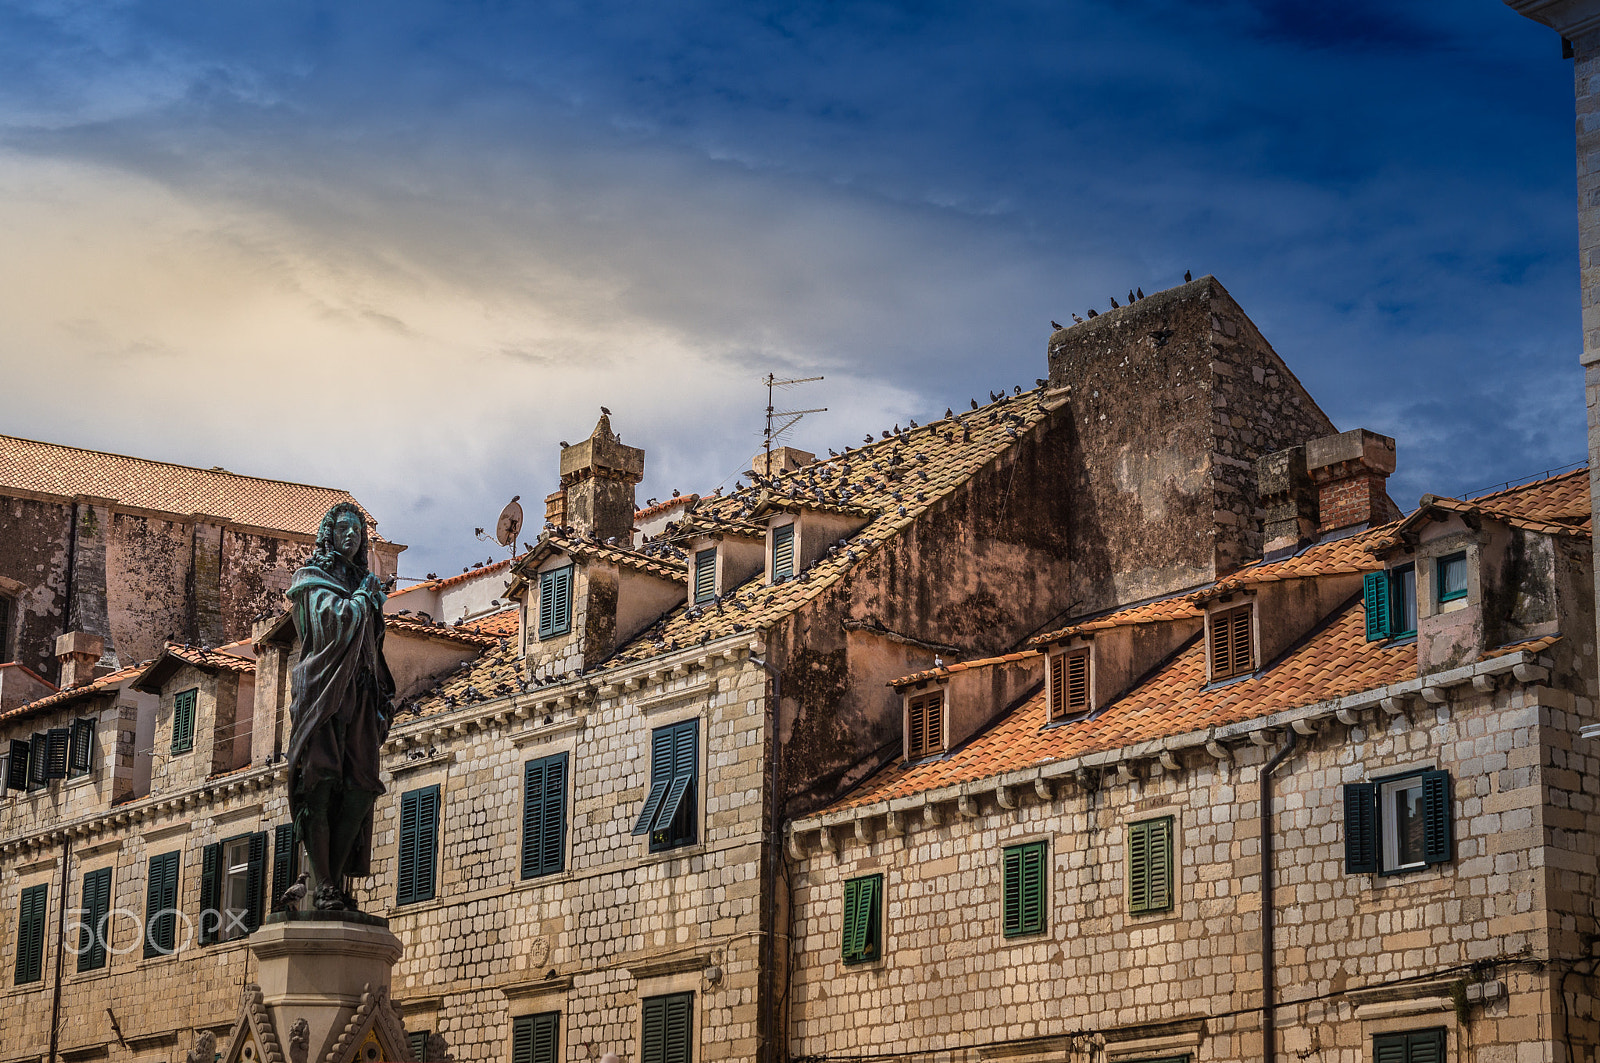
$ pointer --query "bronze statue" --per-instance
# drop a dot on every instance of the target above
(341, 707)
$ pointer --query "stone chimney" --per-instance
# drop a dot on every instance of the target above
(1350, 471)
(78, 652)
(1286, 494)
(597, 481)
(784, 459)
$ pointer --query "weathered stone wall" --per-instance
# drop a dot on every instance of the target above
(33, 553)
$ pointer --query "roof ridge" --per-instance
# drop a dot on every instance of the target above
(217, 471)
(1581, 468)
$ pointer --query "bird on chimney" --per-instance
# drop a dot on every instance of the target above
(564, 443)
(605, 412)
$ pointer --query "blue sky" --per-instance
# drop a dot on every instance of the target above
(405, 248)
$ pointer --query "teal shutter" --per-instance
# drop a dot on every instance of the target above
(160, 905)
(705, 575)
(82, 756)
(1375, 593)
(30, 933)
(96, 906)
(782, 552)
(183, 720)
(555, 602)
(211, 918)
(406, 872)
(285, 862)
(1023, 889)
(256, 881)
(661, 748)
(1437, 834)
(863, 898)
(419, 836)
(418, 1042)
(547, 605)
(17, 765)
(1360, 828)
(544, 799)
(1150, 865)
(58, 748)
(674, 823)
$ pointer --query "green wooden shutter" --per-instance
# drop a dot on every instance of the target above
(1426, 1046)
(30, 933)
(17, 765)
(418, 1042)
(1023, 886)
(544, 798)
(419, 838)
(160, 905)
(522, 1039)
(406, 872)
(1138, 867)
(183, 720)
(256, 881)
(1360, 828)
(1150, 865)
(37, 757)
(1011, 891)
(564, 600)
(653, 1031)
(1437, 834)
(58, 749)
(661, 748)
(211, 917)
(862, 904)
(680, 1028)
(285, 862)
(782, 551)
(1375, 593)
(547, 604)
(705, 575)
(82, 756)
(546, 1035)
(96, 905)
(674, 824)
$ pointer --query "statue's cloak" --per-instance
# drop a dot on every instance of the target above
(341, 678)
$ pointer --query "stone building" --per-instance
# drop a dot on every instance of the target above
(584, 842)
(134, 552)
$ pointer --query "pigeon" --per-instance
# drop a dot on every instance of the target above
(1114, 303)
(1130, 296)
(1077, 320)
(296, 893)
(832, 453)
(605, 411)
(1039, 381)
(1092, 313)
(1186, 277)
(565, 443)
(948, 413)
(1056, 325)
(1139, 292)
(974, 404)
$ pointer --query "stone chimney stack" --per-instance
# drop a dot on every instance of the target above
(784, 459)
(1350, 471)
(78, 652)
(1285, 492)
(597, 481)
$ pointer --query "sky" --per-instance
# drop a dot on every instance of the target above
(406, 248)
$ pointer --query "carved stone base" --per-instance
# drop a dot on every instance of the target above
(323, 994)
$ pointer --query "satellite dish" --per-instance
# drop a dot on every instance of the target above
(509, 524)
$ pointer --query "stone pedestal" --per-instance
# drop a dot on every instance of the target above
(322, 994)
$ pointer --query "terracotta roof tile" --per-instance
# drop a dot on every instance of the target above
(503, 624)
(49, 468)
(663, 507)
(61, 697)
(1177, 607)
(462, 633)
(962, 666)
(1538, 645)
(1561, 499)
(452, 581)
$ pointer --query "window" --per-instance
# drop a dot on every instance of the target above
(1069, 684)
(667, 1036)
(544, 815)
(669, 809)
(1023, 872)
(57, 753)
(863, 917)
(30, 934)
(93, 920)
(1399, 823)
(534, 1038)
(1231, 652)
(1391, 603)
(418, 1040)
(81, 755)
(782, 552)
(1150, 866)
(183, 720)
(17, 761)
(233, 883)
(419, 842)
(1410, 1046)
(161, 906)
(924, 725)
(1451, 577)
(285, 863)
(555, 602)
(38, 761)
(705, 574)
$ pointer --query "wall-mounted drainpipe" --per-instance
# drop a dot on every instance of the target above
(61, 943)
(774, 1049)
(1269, 1048)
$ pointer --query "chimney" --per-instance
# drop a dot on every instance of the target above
(555, 508)
(78, 652)
(1349, 471)
(1286, 493)
(597, 480)
(784, 459)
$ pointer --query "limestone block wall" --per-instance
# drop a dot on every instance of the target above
(1475, 944)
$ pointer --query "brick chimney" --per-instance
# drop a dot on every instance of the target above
(1285, 492)
(597, 479)
(78, 652)
(1350, 471)
(784, 459)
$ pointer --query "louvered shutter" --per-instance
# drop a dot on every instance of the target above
(37, 757)
(653, 1031)
(183, 709)
(82, 757)
(926, 722)
(256, 881)
(522, 1039)
(17, 765)
(1011, 888)
(1375, 596)
(1437, 833)
(782, 552)
(685, 759)
(862, 897)
(30, 933)
(427, 843)
(417, 1040)
(547, 604)
(406, 873)
(705, 575)
(1243, 656)
(679, 1047)
(661, 749)
(1391, 1048)
(563, 609)
(211, 917)
(546, 1035)
(58, 749)
(916, 729)
(1031, 918)
(96, 905)
(1360, 828)
(1138, 867)
(1058, 686)
(161, 899)
(1426, 1046)
(532, 817)
(285, 862)
(1159, 835)
(1078, 682)
(544, 815)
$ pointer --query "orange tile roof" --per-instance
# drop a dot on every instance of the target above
(61, 697)
(463, 633)
(662, 507)
(662, 565)
(1335, 661)
(451, 581)
(1347, 556)
(1538, 645)
(1177, 607)
(50, 468)
(1547, 514)
(503, 624)
(1561, 499)
(962, 666)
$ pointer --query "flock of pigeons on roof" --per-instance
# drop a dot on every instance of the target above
(1134, 295)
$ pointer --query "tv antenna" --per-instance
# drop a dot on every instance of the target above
(793, 416)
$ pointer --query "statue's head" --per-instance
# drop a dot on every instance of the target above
(342, 540)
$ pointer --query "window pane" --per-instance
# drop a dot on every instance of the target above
(1408, 824)
(1403, 595)
(1452, 577)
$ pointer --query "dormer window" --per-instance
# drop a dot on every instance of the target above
(925, 724)
(555, 602)
(1231, 642)
(1391, 602)
(1069, 683)
(782, 552)
(1451, 578)
(705, 575)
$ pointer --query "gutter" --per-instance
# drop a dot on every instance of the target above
(1269, 1047)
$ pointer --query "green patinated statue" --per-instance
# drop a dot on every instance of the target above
(341, 707)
